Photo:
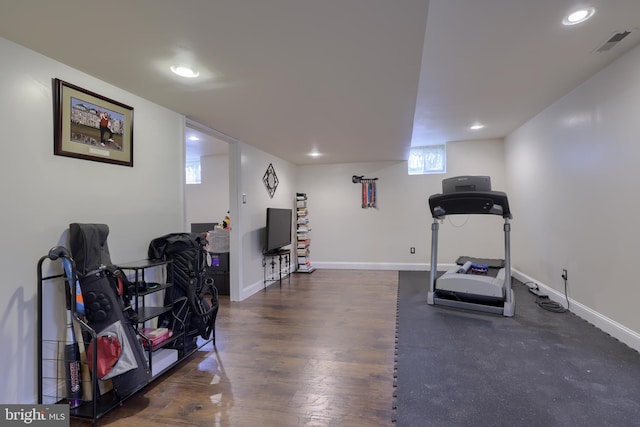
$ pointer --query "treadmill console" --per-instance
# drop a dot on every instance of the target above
(466, 183)
(469, 195)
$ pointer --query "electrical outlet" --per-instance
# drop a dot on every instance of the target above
(412, 250)
(564, 274)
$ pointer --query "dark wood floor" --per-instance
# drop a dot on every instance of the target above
(316, 352)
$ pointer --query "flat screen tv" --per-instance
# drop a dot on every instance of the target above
(278, 234)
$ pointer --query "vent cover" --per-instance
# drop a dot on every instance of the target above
(616, 38)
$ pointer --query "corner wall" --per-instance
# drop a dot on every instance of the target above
(571, 172)
(248, 220)
(344, 235)
(42, 194)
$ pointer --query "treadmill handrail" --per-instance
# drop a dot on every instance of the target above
(470, 202)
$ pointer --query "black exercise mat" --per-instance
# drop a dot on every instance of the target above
(538, 368)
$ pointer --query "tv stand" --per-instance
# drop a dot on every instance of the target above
(273, 258)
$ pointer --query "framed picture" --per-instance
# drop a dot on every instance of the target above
(90, 126)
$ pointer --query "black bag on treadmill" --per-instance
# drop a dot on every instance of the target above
(106, 300)
(194, 298)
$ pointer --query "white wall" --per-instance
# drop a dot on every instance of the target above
(209, 201)
(572, 172)
(247, 167)
(344, 235)
(42, 194)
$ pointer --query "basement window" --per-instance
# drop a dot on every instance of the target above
(427, 160)
(193, 171)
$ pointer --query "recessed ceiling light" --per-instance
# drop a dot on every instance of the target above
(183, 71)
(476, 126)
(578, 16)
(315, 154)
(193, 138)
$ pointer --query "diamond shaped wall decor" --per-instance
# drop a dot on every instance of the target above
(270, 180)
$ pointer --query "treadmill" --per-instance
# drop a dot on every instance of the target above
(460, 287)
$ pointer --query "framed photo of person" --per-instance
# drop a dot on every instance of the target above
(90, 126)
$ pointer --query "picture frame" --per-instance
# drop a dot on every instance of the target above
(91, 126)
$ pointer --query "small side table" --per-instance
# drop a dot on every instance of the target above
(273, 259)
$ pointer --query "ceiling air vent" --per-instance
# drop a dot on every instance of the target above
(613, 40)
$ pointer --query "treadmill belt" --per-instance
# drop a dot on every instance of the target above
(492, 263)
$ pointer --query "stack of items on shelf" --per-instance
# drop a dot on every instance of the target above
(156, 336)
(302, 234)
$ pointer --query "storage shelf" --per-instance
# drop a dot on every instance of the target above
(148, 291)
(142, 264)
(101, 405)
(148, 313)
(104, 404)
(303, 241)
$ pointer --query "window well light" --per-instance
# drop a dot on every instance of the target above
(183, 71)
(578, 16)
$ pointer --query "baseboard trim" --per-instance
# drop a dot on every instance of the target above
(259, 286)
(371, 266)
(605, 324)
(251, 289)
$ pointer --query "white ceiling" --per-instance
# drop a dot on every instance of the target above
(357, 80)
